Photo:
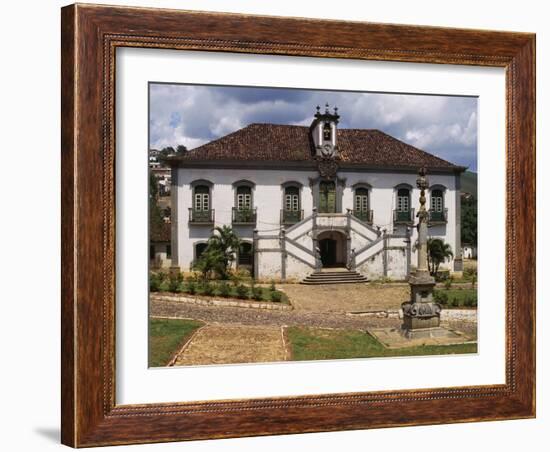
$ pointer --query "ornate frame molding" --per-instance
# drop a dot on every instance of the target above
(90, 35)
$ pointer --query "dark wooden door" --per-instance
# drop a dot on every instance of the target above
(328, 252)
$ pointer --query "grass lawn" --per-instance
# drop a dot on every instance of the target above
(316, 343)
(166, 336)
(457, 298)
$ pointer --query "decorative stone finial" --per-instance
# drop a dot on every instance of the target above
(423, 184)
(326, 107)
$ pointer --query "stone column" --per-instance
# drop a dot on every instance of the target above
(349, 263)
(175, 266)
(255, 241)
(314, 240)
(421, 316)
(458, 264)
(282, 240)
(408, 251)
(385, 252)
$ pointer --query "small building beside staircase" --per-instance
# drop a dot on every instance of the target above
(308, 200)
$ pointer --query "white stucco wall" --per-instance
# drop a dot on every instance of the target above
(160, 258)
(268, 199)
(383, 202)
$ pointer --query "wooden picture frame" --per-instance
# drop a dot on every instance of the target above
(90, 36)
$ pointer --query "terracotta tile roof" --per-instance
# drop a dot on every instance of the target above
(274, 142)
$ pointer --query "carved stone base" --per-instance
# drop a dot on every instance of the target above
(416, 323)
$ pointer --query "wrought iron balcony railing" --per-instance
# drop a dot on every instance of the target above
(201, 216)
(438, 216)
(244, 216)
(363, 215)
(403, 216)
(291, 216)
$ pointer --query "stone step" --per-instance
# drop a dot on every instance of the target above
(336, 273)
(350, 281)
(329, 278)
(335, 277)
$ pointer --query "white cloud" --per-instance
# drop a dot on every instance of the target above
(193, 115)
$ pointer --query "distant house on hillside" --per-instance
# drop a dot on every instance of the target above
(160, 247)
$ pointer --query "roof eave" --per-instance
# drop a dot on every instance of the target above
(301, 164)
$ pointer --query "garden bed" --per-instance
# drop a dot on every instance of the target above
(459, 298)
(176, 284)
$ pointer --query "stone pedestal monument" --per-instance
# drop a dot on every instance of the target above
(421, 315)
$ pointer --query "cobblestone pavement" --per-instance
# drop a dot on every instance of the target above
(231, 343)
(346, 297)
(243, 316)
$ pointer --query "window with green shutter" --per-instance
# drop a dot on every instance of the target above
(327, 197)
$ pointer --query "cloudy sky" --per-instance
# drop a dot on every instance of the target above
(194, 114)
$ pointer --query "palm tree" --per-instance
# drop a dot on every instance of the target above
(225, 243)
(438, 252)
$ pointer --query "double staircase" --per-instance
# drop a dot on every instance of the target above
(335, 276)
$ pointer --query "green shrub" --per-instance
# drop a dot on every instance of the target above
(235, 279)
(257, 293)
(469, 272)
(164, 286)
(442, 275)
(448, 283)
(242, 292)
(191, 287)
(454, 303)
(208, 289)
(441, 297)
(276, 296)
(175, 281)
(474, 301)
(224, 289)
(272, 286)
(154, 282)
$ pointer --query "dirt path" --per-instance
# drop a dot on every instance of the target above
(345, 298)
(263, 317)
(230, 343)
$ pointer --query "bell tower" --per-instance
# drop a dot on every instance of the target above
(323, 132)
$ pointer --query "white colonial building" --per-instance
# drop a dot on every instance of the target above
(306, 198)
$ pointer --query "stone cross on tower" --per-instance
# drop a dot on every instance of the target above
(421, 315)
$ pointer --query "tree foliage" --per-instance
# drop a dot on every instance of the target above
(155, 213)
(468, 231)
(170, 150)
(438, 252)
(220, 252)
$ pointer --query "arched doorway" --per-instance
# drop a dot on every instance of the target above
(245, 257)
(332, 247)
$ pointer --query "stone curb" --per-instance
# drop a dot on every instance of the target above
(466, 315)
(227, 303)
